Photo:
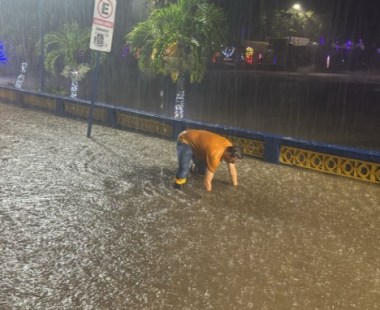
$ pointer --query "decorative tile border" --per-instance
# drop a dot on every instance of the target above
(8, 95)
(332, 164)
(144, 124)
(249, 146)
(82, 111)
(40, 102)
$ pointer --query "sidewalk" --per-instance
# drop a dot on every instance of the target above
(95, 224)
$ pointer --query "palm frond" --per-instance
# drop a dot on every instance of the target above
(62, 47)
(179, 38)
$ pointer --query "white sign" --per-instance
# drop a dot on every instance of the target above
(102, 25)
(299, 41)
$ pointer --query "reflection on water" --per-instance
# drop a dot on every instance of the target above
(95, 224)
(312, 107)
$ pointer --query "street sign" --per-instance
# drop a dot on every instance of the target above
(102, 25)
(101, 41)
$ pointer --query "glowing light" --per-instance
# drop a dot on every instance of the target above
(297, 7)
(125, 51)
(249, 55)
(180, 98)
(349, 44)
(228, 51)
(74, 84)
(3, 55)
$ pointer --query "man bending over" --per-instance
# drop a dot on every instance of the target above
(207, 150)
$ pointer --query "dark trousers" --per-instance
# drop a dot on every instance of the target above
(184, 155)
(199, 166)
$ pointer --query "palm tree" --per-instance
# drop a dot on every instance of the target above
(154, 4)
(66, 48)
(179, 39)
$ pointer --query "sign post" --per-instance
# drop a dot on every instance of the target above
(101, 41)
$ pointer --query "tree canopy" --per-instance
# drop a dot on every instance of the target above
(292, 22)
(179, 38)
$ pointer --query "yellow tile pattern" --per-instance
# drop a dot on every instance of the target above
(249, 146)
(83, 111)
(40, 102)
(144, 124)
(347, 167)
(8, 94)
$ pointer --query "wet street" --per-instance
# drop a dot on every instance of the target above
(95, 224)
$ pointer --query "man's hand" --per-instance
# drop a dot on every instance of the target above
(233, 173)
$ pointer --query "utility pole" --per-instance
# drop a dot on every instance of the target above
(41, 14)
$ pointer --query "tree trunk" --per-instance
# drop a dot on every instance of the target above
(20, 79)
(74, 88)
(180, 97)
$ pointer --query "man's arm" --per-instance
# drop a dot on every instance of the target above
(233, 173)
(207, 180)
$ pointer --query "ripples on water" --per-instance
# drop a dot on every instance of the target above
(95, 224)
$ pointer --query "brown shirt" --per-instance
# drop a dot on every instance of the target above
(207, 146)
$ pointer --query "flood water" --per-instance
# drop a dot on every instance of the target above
(95, 224)
(339, 109)
(332, 108)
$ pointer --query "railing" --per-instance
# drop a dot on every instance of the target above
(354, 163)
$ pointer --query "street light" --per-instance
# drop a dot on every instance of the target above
(297, 7)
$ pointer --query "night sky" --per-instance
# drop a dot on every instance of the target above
(352, 19)
(345, 19)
